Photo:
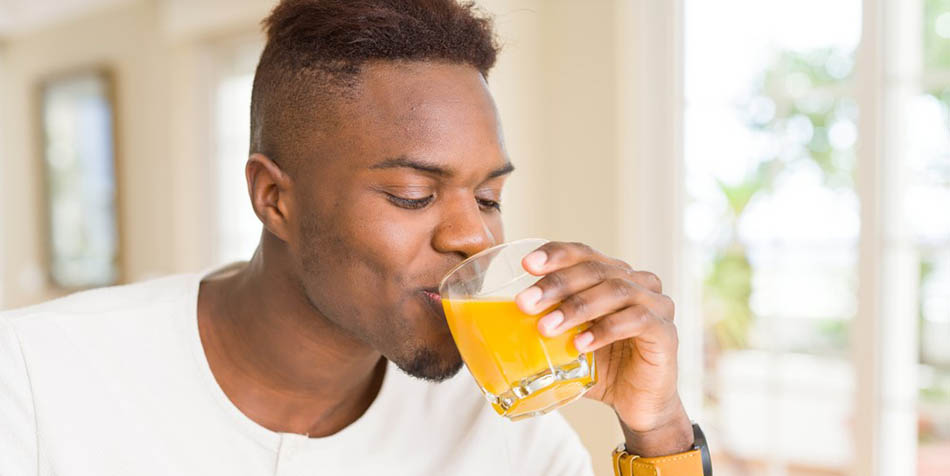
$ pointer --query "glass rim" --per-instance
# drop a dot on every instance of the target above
(484, 252)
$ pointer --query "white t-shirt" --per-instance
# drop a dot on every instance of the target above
(115, 381)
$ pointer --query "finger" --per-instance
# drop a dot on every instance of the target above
(557, 285)
(558, 254)
(654, 335)
(606, 297)
(646, 279)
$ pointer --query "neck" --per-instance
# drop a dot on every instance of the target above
(281, 362)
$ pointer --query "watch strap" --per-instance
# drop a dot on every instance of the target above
(695, 462)
(689, 463)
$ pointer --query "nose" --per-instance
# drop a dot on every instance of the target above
(463, 229)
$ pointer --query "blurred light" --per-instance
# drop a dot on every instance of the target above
(816, 102)
(800, 129)
(842, 134)
(839, 66)
(797, 84)
(801, 210)
(942, 25)
(761, 110)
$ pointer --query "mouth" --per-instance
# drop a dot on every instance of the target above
(434, 301)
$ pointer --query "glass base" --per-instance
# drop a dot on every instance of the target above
(546, 390)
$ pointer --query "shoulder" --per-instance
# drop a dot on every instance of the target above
(17, 414)
(10, 353)
(100, 303)
(99, 326)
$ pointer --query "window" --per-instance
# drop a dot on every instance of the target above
(928, 210)
(78, 155)
(772, 222)
(794, 203)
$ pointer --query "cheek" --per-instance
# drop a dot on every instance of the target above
(385, 246)
(367, 251)
(395, 238)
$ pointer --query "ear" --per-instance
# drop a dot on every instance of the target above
(270, 190)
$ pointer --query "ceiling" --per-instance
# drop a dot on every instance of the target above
(19, 16)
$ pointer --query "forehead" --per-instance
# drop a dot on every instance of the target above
(439, 111)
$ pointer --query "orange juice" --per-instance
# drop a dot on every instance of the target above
(521, 372)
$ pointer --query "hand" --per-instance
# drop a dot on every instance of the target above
(631, 334)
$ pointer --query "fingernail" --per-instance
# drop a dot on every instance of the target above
(583, 340)
(550, 322)
(528, 299)
(536, 260)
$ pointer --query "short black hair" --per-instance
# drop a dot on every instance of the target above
(316, 49)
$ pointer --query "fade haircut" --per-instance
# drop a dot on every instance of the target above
(316, 50)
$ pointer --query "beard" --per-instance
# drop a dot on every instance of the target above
(428, 365)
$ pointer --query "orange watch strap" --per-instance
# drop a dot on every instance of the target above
(689, 463)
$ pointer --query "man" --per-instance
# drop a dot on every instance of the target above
(376, 165)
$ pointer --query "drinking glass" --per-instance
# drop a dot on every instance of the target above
(520, 372)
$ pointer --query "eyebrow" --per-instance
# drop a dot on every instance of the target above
(432, 168)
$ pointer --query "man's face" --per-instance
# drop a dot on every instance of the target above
(399, 191)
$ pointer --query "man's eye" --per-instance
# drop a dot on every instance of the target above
(410, 203)
(490, 204)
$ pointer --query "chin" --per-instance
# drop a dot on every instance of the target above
(428, 364)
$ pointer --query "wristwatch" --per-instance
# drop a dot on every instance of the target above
(695, 462)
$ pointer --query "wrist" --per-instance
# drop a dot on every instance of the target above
(671, 435)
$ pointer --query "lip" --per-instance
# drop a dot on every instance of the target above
(433, 300)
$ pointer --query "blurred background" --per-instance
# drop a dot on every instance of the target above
(783, 165)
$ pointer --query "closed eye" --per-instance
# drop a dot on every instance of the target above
(491, 204)
(419, 203)
(410, 203)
